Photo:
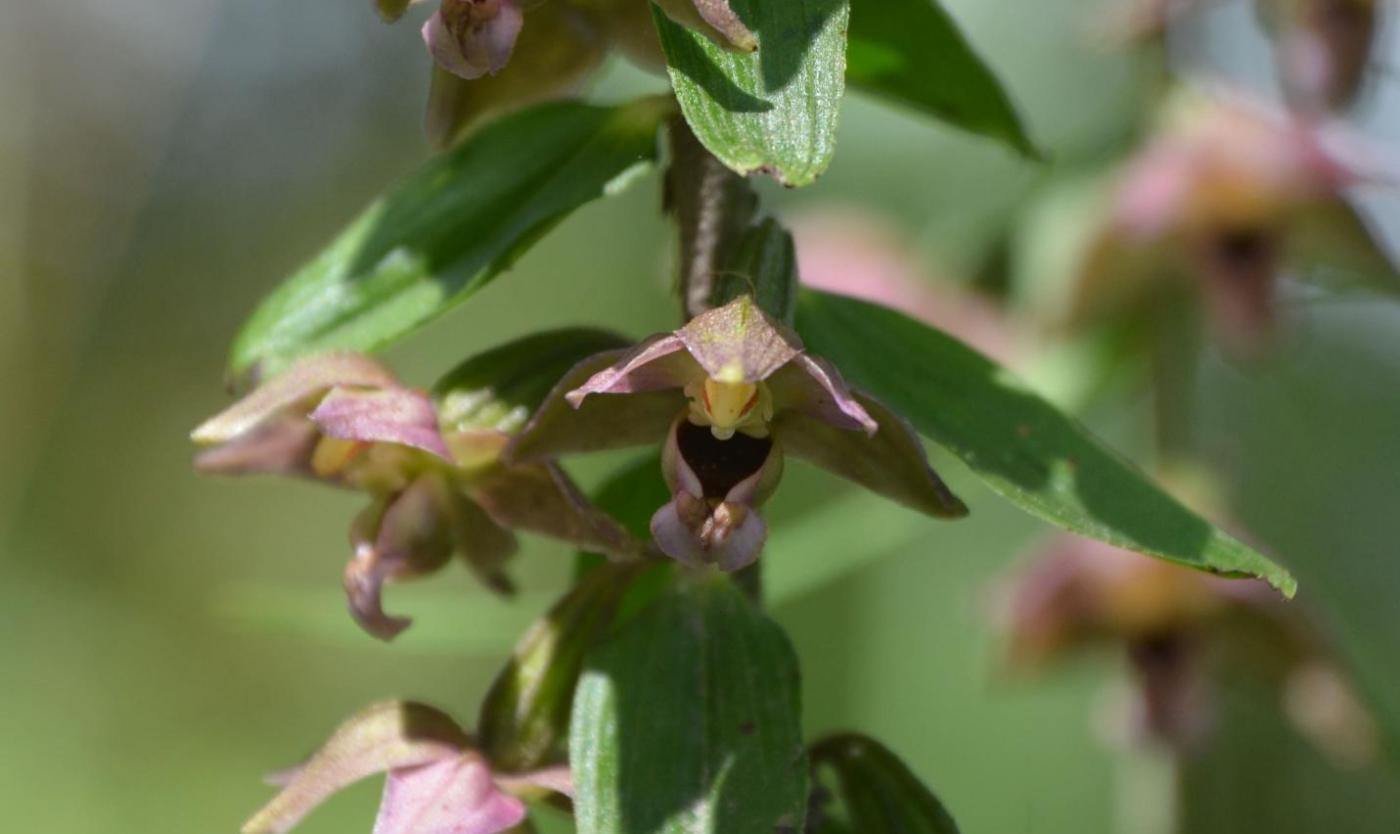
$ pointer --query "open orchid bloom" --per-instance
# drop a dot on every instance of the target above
(437, 483)
(1229, 196)
(1178, 628)
(728, 393)
(436, 781)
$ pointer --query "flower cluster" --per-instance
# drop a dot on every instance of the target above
(437, 482)
(1179, 629)
(1229, 195)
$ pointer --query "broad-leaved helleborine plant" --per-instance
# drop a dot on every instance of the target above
(656, 696)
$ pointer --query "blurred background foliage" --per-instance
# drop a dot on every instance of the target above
(167, 639)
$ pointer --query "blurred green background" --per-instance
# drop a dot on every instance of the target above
(165, 639)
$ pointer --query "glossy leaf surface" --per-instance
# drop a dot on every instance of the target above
(449, 229)
(1021, 446)
(773, 110)
(689, 722)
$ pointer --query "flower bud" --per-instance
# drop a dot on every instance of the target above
(524, 719)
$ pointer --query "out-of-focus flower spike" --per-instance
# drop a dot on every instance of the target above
(1323, 49)
(382, 737)
(891, 463)
(472, 38)
(452, 796)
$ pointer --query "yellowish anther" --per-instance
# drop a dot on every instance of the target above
(727, 407)
(332, 455)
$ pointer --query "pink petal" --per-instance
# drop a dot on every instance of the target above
(739, 342)
(730, 536)
(388, 735)
(890, 462)
(472, 38)
(390, 415)
(454, 796)
(302, 382)
(654, 364)
(595, 423)
(409, 535)
(282, 446)
(814, 387)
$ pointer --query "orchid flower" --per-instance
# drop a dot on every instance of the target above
(1178, 627)
(436, 479)
(436, 781)
(727, 395)
(1231, 195)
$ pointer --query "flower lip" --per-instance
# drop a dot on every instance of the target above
(720, 465)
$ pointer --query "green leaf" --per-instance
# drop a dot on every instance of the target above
(449, 229)
(877, 791)
(689, 722)
(773, 110)
(1020, 445)
(911, 52)
(499, 388)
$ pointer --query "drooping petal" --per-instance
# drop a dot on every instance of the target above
(713, 18)
(385, 736)
(541, 498)
(656, 363)
(388, 415)
(739, 342)
(302, 382)
(599, 422)
(891, 462)
(453, 796)
(815, 388)
(282, 446)
(408, 535)
(472, 38)
(729, 536)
